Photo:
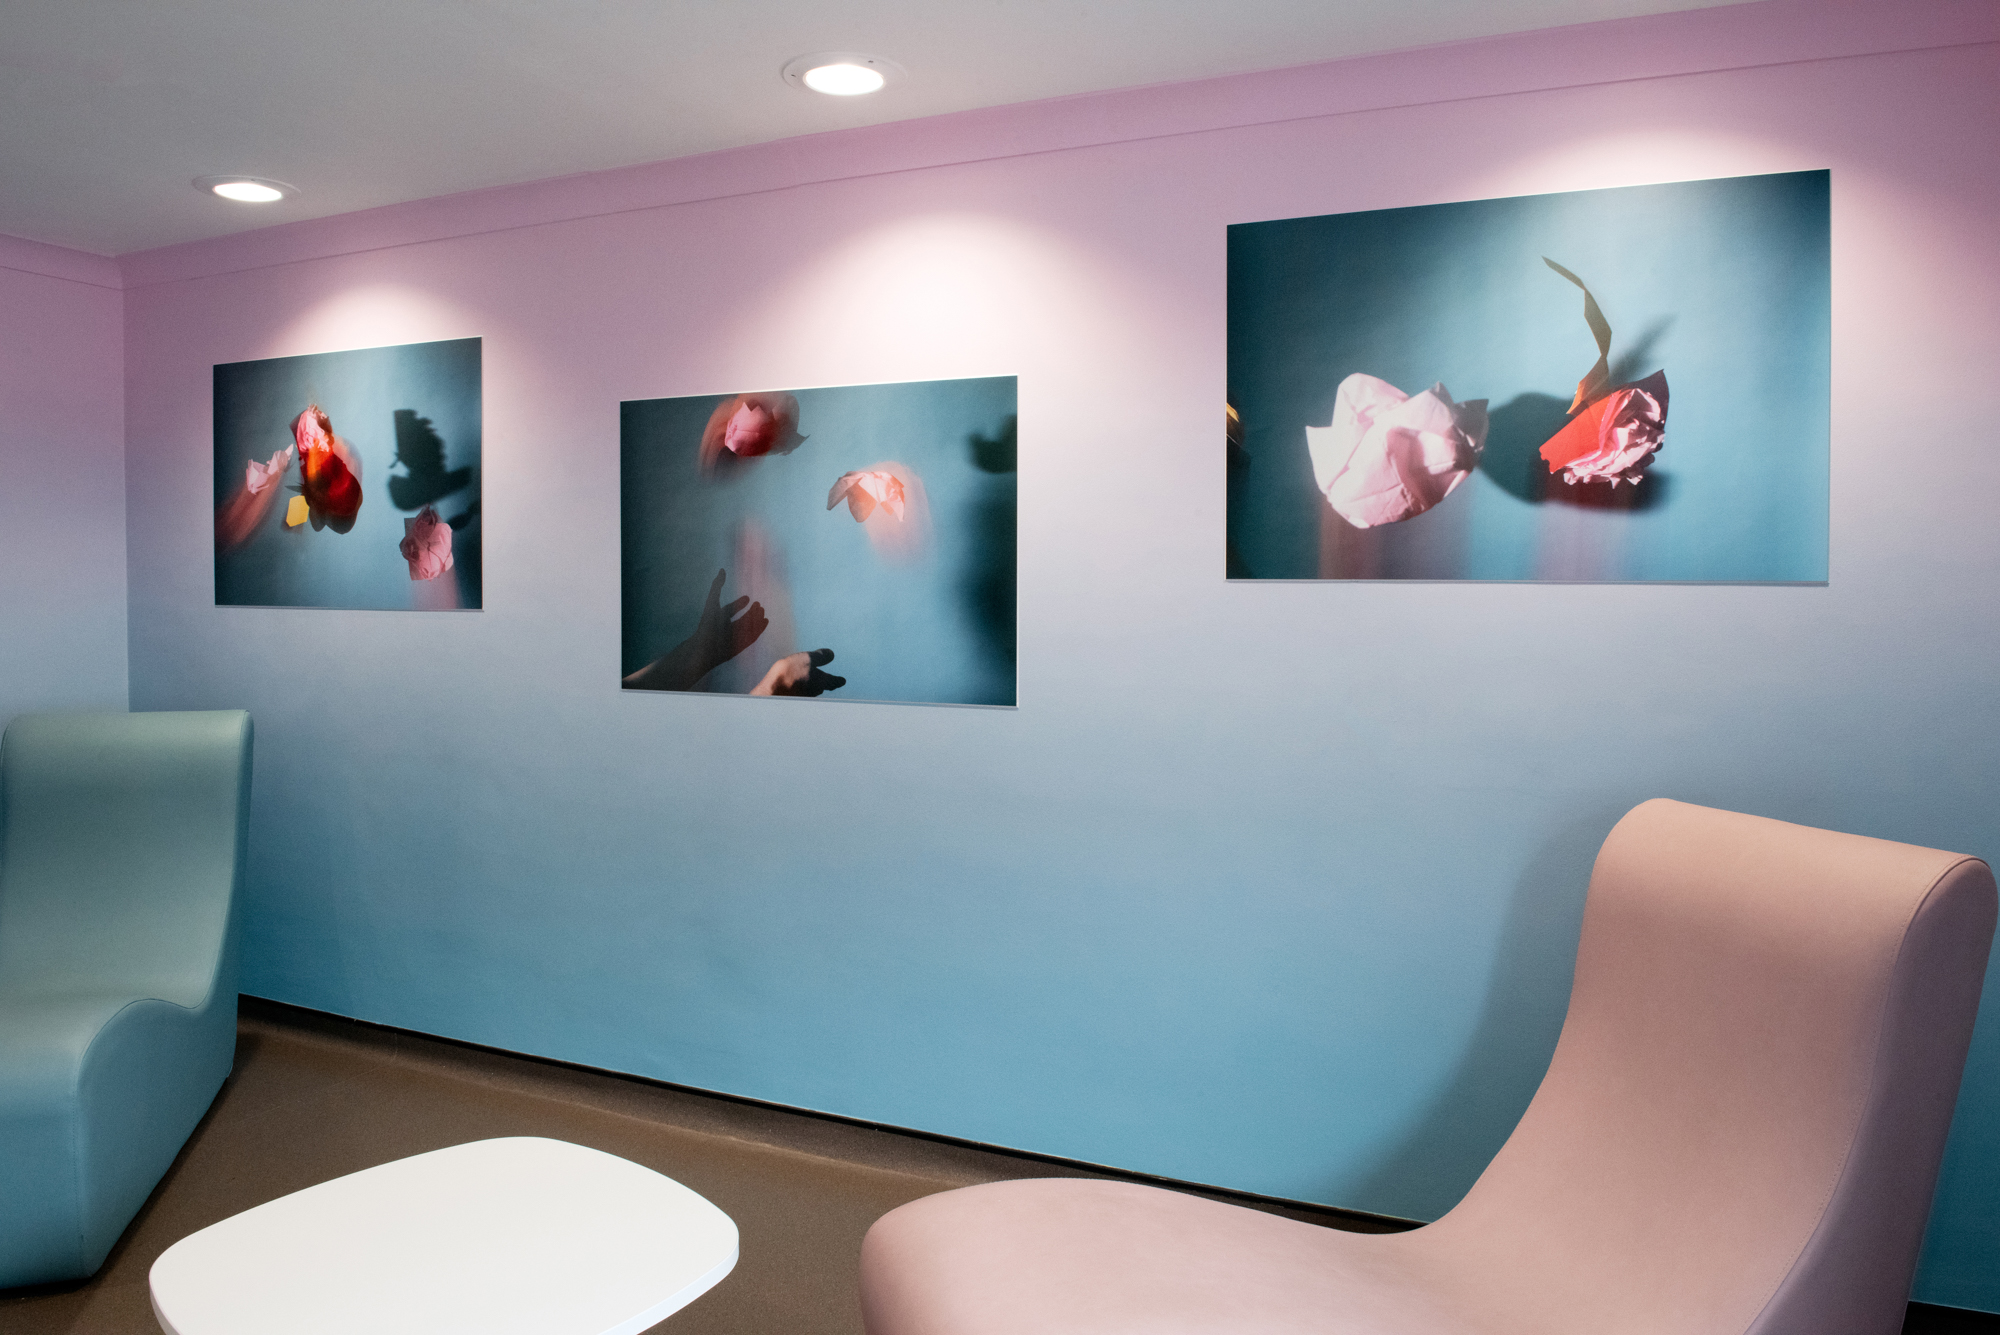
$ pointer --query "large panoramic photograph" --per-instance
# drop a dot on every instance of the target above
(1605, 385)
(852, 542)
(350, 479)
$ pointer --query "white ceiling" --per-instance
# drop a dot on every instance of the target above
(110, 108)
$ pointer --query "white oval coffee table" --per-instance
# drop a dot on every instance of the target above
(520, 1236)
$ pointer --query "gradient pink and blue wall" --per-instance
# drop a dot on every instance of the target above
(62, 480)
(1273, 886)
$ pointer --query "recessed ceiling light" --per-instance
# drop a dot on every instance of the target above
(843, 80)
(841, 73)
(246, 189)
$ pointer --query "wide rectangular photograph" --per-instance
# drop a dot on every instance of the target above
(852, 542)
(1604, 385)
(350, 479)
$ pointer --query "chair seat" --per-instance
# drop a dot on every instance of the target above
(124, 838)
(1738, 1134)
(43, 1041)
(1065, 1256)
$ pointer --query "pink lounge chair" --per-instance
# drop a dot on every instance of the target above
(1739, 1132)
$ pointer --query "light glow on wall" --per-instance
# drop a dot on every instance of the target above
(371, 315)
(1651, 156)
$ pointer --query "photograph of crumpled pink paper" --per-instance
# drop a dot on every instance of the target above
(1404, 399)
(350, 479)
(851, 542)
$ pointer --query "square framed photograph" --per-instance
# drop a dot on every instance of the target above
(350, 479)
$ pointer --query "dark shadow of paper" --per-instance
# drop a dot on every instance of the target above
(420, 449)
(989, 582)
(1515, 434)
(1638, 353)
(465, 527)
(999, 452)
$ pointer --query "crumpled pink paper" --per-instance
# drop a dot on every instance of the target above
(1387, 456)
(1614, 438)
(750, 430)
(750, 426)
(260, 478)
(426, 544)
(865, 490)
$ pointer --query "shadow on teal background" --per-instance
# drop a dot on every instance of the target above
(1724, 284)
(935, 629)
(412, 413)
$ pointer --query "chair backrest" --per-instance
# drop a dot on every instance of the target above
(122, 843)
(1741, 1126)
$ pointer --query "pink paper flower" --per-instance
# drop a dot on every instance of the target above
(1613, 439)
(865, 490)
(751, 426)
(312, 429)
(751, 429)
(426, 544)
(1387, 456)
(260, 478)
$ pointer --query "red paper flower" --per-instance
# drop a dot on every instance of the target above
(1619, 427)
(1613, 439)
(329, 472)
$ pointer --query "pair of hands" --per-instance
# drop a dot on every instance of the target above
(799, 674)
(723, 632)
(727, 634)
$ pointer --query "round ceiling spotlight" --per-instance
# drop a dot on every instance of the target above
(841, 73)
(246, 189)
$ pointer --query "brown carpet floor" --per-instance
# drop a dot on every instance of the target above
(313, 1097)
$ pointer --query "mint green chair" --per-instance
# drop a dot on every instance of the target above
(121, 849)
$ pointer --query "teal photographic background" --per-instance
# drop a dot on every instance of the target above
(937, 628)
(1724, 284)
(412, 415)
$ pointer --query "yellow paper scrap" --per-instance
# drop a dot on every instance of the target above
(1597, 384)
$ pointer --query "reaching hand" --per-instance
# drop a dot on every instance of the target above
(719, 639)
(799, 674)
(716, 639)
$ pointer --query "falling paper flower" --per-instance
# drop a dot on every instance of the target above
(750, 426)
(237, 519)
(865, 490)
(1614, 438)
(1387, 456)
(329, 471)
(1616, 429)
(260, 478)
(426, 544)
